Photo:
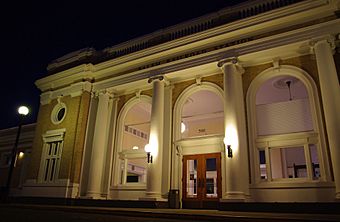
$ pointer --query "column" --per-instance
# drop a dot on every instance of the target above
(94, 187)
(237, 172)
(330, 93)
(111, 132)
(167, 140)
(154, 171)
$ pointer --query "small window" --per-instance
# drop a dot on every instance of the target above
(61, 114)
(263, 167)
(58, 113)
(133, 169)
(315, 162)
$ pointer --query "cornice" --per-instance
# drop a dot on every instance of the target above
(116, 71)
(247, 53)
(75, 74)
(73, 90)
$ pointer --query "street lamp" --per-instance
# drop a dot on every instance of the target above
(23, 111)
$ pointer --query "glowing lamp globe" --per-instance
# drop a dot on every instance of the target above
(23, 110)
(147, 148)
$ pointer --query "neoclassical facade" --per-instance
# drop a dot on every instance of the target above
(239, 105)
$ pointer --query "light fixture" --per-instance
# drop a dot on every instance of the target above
(21, 155)
(289, 82)
(147, 149)
(229, 151)
(183, 127)
(135, 147)
(228, 148)
(23, 110)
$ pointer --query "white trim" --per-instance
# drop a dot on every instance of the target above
(72, 90)
(55, 112)
(314, 101)
(48, 137)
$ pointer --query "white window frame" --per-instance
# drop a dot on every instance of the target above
(303, 139)
(51, 136)
(124, 156)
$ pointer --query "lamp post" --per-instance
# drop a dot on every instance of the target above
(23, 111)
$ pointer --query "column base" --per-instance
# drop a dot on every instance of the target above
(95, 195)
(337, 197)
(236, 197)
(153, 196)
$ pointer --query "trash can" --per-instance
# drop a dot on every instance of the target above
(173, 199)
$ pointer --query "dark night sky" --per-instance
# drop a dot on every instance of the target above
(35, 33)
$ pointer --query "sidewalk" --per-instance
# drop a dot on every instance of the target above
(185, 214)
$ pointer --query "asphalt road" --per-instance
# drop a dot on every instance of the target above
(36, 215)
(50, 213)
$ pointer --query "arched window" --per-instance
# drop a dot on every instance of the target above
(285, 127)
(133, 135)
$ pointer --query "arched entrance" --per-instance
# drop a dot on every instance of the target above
(199, 132)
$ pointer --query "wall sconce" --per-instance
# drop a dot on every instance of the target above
(147, 149)
(229, 151)
(228, 148)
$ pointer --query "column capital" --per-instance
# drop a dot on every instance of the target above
(330, 39)
(103, 92)
(231, 62)
(153, 78)
(227, 61)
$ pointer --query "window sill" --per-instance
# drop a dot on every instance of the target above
(136, 186)
(291, 184)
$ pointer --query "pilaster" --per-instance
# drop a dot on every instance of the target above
(94, 187)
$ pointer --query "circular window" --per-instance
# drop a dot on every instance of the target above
(58, 113)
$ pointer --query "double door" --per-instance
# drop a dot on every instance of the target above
(201, 181)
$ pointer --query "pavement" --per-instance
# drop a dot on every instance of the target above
(181, 214)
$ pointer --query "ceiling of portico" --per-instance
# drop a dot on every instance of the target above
(202, 103)
(276, 90)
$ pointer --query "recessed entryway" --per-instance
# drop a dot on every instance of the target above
(201, 181)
